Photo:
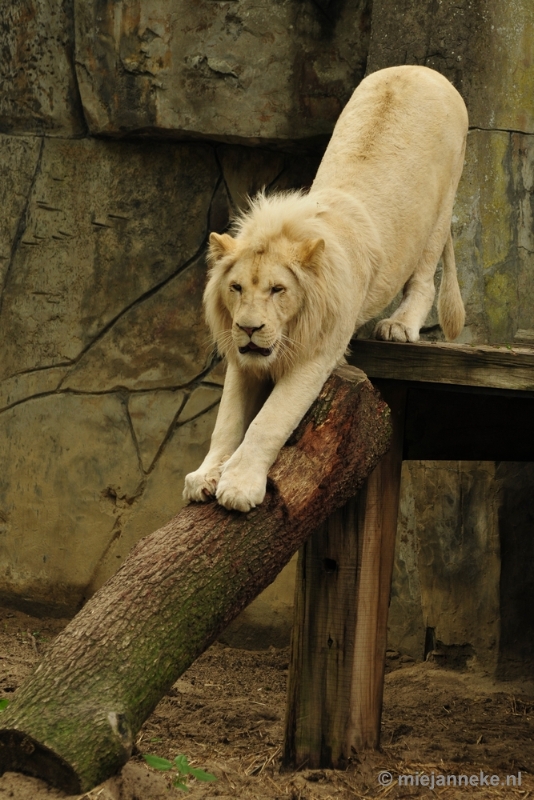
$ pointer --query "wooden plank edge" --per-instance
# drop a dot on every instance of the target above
(488, 366)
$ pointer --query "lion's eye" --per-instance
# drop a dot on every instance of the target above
(235, 287)
(276, 289)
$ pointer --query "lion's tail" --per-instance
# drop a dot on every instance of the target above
(451, 311)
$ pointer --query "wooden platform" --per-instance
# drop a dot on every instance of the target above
(448, 401)
(462, 402)
(504, 367)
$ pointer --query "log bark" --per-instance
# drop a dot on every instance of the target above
(74, 721)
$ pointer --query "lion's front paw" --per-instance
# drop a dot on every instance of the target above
(390, 330)
(201, 485)
(239, 491)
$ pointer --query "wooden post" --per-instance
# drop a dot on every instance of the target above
(340, 629)
(378, 528)
(320, 674)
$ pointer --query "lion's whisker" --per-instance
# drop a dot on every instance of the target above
(225, 339)
(286, 352)
(288, 340)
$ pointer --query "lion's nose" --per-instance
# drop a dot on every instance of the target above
(248, 330)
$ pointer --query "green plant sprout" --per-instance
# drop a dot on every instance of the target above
(4, 704)
(182, 767)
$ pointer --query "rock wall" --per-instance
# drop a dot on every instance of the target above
(123, 127)
(445, 602)
(38, 88)
(108, 384)
(240, 70)
(462, 591)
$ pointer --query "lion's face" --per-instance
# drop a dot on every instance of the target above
(263, 296)
(261, 293)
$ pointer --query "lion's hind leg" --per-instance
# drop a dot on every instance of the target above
(406, 322)
(418, 295)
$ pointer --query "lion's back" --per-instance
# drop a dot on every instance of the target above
(398, 148)
(399, 121)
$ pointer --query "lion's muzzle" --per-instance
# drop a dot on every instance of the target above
(255, 349)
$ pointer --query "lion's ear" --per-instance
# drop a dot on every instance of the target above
(311, 252)
(220, 245)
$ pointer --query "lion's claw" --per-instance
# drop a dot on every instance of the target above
(390, 330)
(200, 486)
(241, 493)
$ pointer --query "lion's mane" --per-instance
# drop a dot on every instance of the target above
(327, 286)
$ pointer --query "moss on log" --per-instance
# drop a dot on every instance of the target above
(73, 722)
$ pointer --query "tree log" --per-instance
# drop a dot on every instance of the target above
(73, 722)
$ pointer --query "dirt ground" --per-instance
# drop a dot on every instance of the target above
(226, 715)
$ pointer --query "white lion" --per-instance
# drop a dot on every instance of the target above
(304, 271)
